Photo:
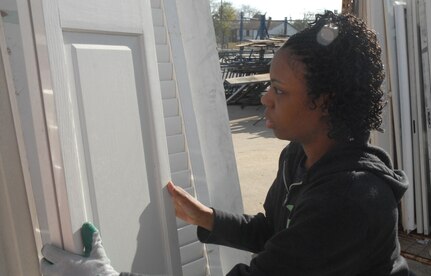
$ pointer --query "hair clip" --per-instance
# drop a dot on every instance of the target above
(327, 34)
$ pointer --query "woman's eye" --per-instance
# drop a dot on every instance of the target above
(277, 91)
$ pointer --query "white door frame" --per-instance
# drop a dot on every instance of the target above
(19, 240)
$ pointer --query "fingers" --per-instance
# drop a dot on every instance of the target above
(93, 247)
(98, 250)
(180, 199)
(87, 231)
(180, 196)
(178, 193)
(187, 207)
(171, 187)
(54, 254)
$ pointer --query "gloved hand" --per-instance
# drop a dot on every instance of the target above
(57, 262)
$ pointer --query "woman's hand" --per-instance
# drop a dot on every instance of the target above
(190, 209)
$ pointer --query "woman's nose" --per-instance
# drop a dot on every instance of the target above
(265, 99)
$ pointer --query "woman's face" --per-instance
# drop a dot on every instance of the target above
(289, 110)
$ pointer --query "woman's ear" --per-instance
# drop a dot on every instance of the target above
(323, 102)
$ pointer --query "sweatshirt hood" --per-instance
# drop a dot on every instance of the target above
(362, 157)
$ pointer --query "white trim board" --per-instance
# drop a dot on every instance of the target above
(407, 205)
(19, 241)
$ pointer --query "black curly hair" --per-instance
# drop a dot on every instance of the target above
(342, 60)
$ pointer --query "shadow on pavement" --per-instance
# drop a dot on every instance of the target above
(249, 119)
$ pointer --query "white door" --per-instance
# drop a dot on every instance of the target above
(101, 90)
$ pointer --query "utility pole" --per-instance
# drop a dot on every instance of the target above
(241, 27)
(221, 24)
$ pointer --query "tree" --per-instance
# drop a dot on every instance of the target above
(249, 12)
(224, 15)
(301, 24)
(214, 5)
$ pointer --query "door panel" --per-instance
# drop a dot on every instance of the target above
(113, 148)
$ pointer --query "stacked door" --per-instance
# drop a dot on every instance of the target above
(403, 29)
(422, 24)
(193, 256)
(104, 112)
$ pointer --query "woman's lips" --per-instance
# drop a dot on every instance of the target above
(268, 122)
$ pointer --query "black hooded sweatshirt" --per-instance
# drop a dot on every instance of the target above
(341, 219)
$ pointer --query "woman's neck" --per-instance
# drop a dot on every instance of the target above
(315, 151)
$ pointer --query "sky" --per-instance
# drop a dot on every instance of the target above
(295, 9)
